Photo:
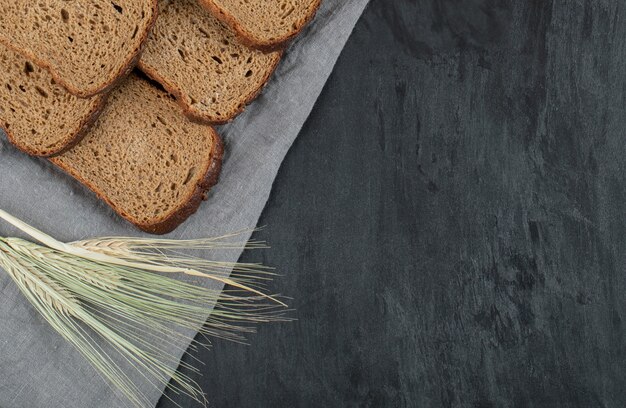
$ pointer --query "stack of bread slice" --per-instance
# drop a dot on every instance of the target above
(144, 142)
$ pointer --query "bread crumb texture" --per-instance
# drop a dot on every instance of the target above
(39, 116)
(86, 44)
(265, 23)
(194, 56)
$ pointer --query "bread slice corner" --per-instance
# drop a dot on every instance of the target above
(198, 59)
(39, 116)
(88, 46)
(267, 25)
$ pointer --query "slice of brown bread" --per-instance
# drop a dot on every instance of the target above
(39, 116)
(143, 157)
(264, 24)
(88, 45)
(199, 60)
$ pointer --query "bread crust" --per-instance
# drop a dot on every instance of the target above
(205, 118)
(72, 140)
(248, 38)
(171, 221)
(124, 71)
(210, 179)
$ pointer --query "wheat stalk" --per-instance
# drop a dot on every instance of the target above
(46, 291)
(112, 299)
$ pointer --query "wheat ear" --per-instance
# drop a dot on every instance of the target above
(112, 300)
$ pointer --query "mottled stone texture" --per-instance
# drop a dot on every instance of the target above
(452, 221)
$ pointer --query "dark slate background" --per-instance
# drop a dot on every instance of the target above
(451, 222)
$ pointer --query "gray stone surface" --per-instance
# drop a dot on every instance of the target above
(450, 222)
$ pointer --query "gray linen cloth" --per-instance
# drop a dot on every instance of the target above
(37, 367)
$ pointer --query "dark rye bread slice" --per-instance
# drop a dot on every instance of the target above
(39, 116)
(264, 24)
(143, 157)
(87, 45)
(199, 60)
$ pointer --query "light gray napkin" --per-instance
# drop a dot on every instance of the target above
(37, 368)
